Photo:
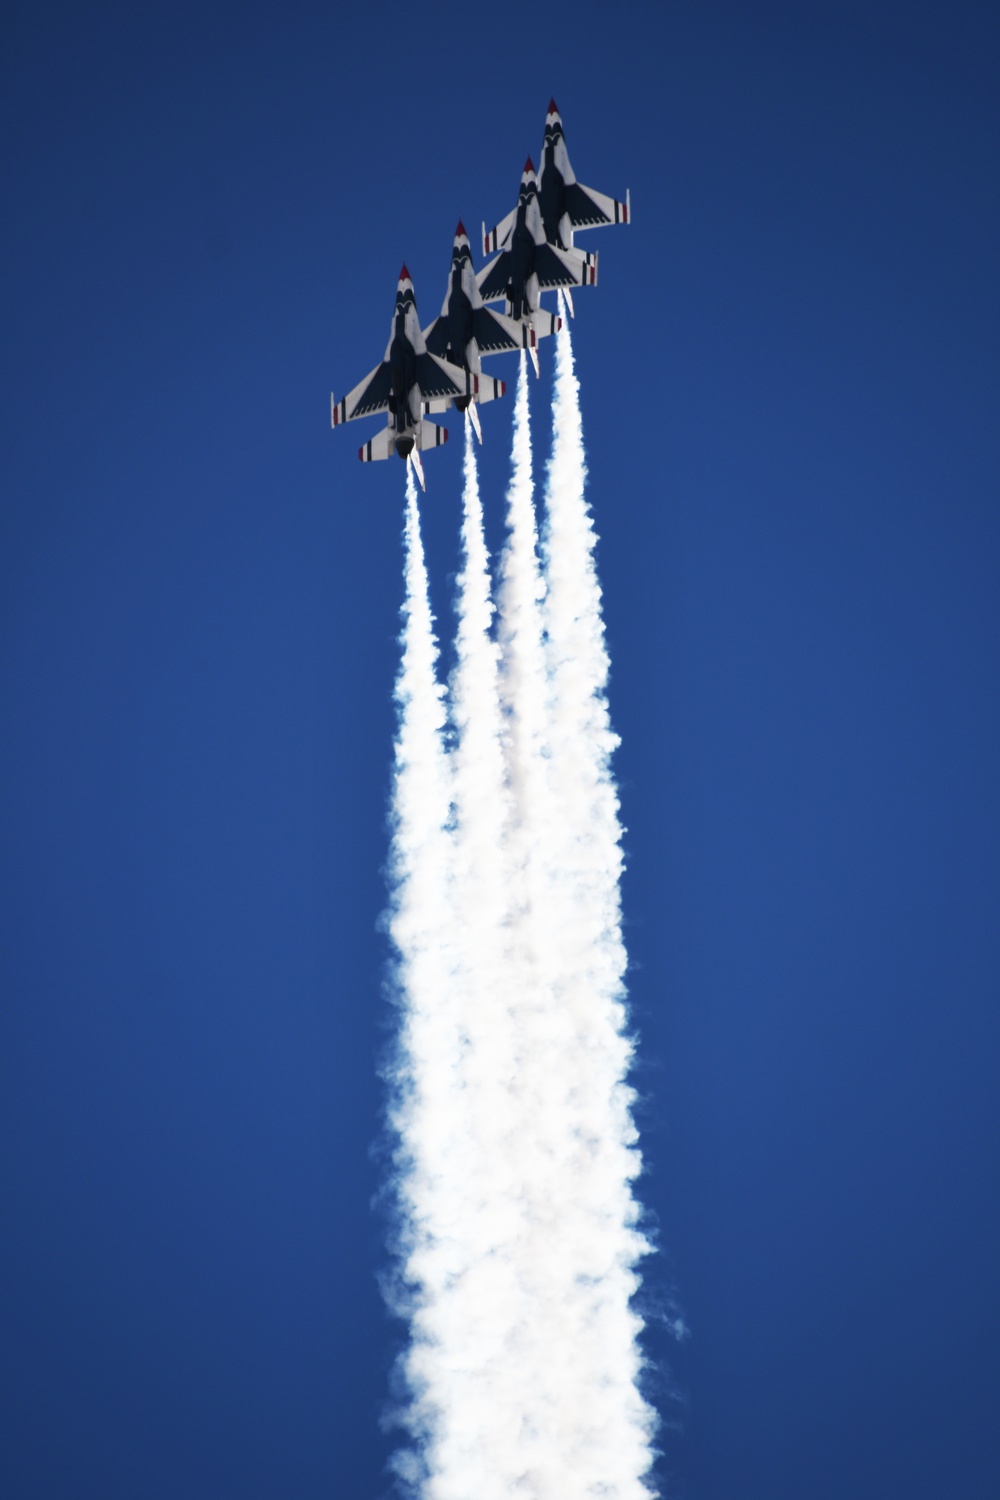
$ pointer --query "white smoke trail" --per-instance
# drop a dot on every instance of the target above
(472, 1451)
(524, 684)
(425, 1113)
(609, 1424)
(518, 1150)
(454, 1116)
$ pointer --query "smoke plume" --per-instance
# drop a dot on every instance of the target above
(516, 1149)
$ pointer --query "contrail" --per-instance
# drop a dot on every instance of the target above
(518, 1237)
(425, 1106)
(471, 1452)
(609, 1432)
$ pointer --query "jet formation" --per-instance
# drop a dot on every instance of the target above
(424, 372)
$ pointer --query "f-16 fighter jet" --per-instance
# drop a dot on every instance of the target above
(408, 382)
(527, 265)
(565, 204)
(467, 329)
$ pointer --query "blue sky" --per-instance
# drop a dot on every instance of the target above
(789, 380)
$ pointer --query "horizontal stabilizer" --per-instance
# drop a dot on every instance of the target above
(557, 268)
(430, 435)
(488, 389)
(543, 324)
(381, 446)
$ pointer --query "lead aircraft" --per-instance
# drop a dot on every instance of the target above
(467, 329)
(409, 382)
(527, 264)
(567, 205)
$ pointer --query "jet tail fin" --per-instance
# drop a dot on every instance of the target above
(413, 457)
(428, 435)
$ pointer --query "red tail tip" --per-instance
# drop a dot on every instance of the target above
(552, 107)
(461, 230)
(404, 274)
(529, 165)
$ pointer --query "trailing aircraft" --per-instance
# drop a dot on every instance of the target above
(565, 204)
(409, 382)
(527, 264)
(467, 329)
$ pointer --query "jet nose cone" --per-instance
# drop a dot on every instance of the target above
(404, 274)
(529, 165)
(552, 107)
(460, 230)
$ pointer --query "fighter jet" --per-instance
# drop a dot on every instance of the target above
(467, 329)
(527, 265)
(408, 382)
(565, 204)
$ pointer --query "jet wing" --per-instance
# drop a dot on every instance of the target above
(553, 267)
(493, 332)
(437, 379)
(499, 234)
(492, 279)
(481, 388)
(436, 337)
(370, 396)
(589, 210)
(496, 334)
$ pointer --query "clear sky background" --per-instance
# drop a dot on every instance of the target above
(790, 390)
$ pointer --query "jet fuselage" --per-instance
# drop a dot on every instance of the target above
(522, 263)
(551, 192)
(402, 377)
(459, 318)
